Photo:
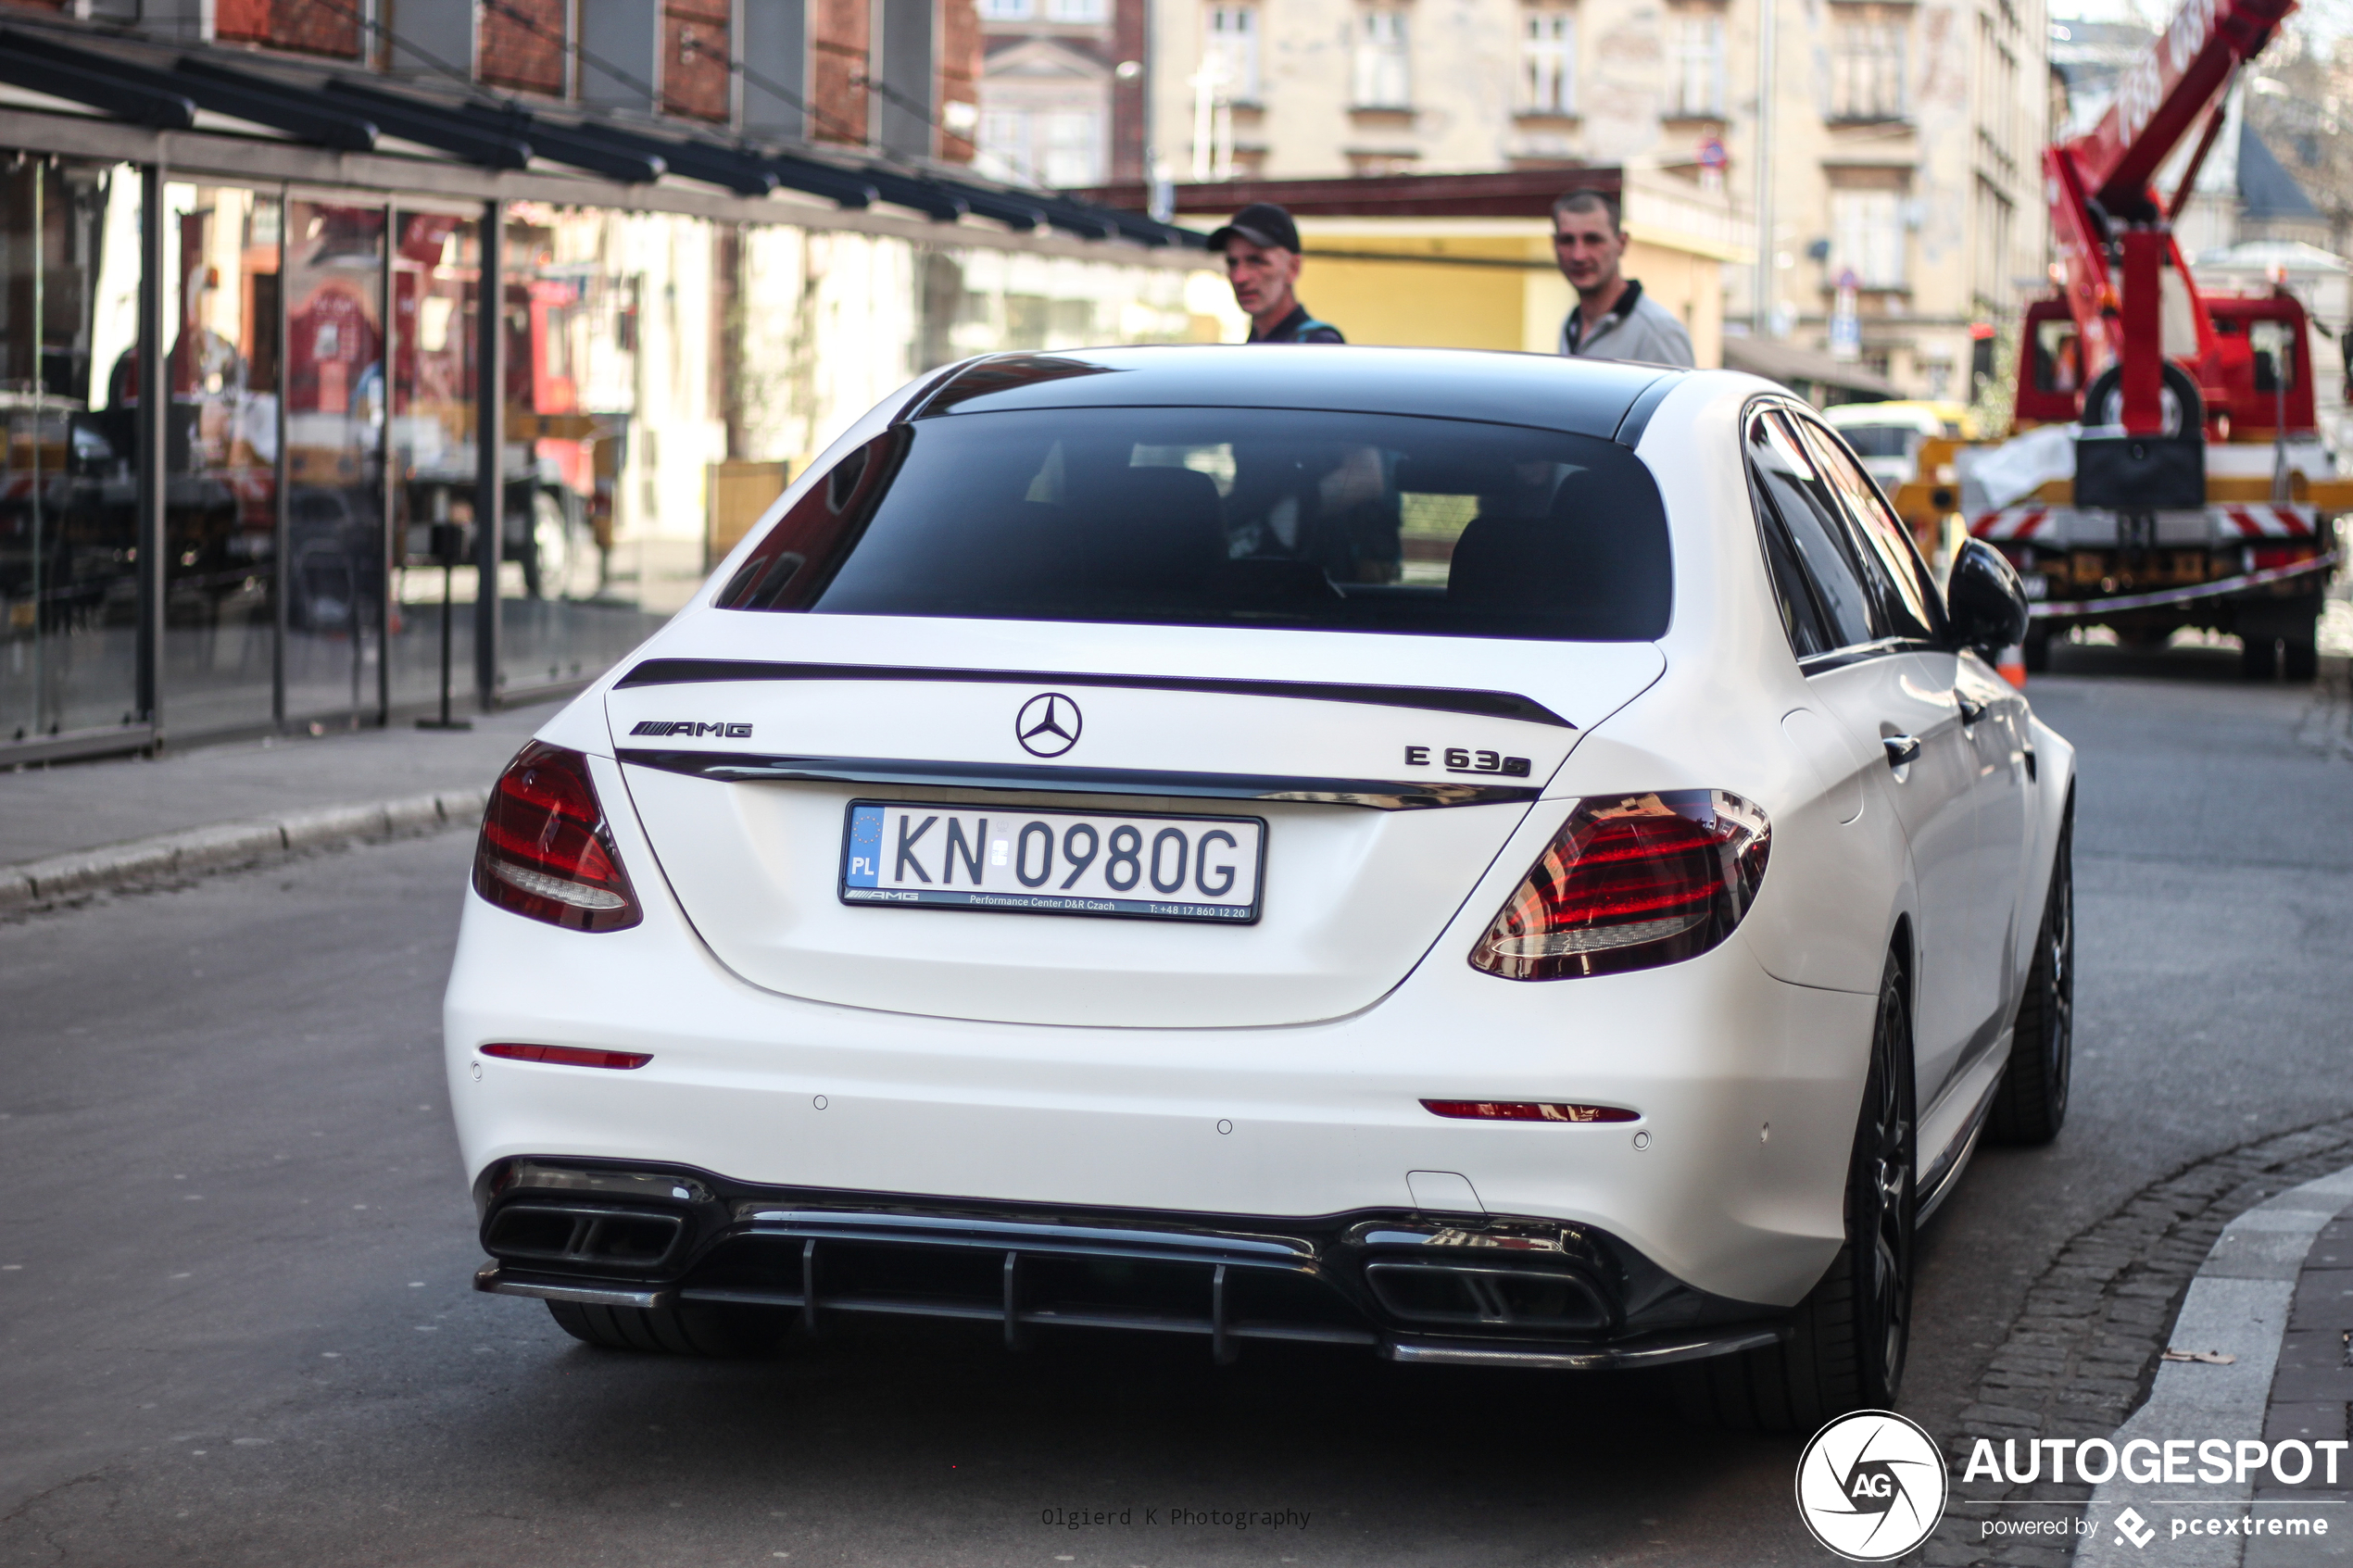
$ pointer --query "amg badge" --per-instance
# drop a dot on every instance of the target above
(688, 728)
(1459, 760)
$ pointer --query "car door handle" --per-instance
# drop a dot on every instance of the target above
(1902, 751)
(1970, 711)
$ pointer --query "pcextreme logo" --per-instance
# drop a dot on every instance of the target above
(1871, 1486)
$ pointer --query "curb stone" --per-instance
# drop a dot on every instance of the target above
(2082, 1354)
(223, 847)
(2238, 1304)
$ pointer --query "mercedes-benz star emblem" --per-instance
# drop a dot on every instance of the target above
(1047, 725)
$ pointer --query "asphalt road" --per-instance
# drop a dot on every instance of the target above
(235, 1326)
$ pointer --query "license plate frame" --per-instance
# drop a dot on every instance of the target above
(1010, 895)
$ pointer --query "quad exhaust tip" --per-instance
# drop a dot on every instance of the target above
(634, 1240)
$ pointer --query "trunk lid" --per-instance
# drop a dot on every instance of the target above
(1387, 770)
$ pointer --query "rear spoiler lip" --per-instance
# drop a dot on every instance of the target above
(1437, 699)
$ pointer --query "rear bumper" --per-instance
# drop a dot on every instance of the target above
(1730, 1181)
(1489, 1290)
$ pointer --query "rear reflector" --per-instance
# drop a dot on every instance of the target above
(1630, 882)
(1527, 1110)
(545, 852)
(569, 1055)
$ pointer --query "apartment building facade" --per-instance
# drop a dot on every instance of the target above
(1890, 149)
(1062, 91)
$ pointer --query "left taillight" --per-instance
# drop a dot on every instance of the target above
(545, 852)
(1630, 882)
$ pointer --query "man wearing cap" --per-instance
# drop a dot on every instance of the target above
(1614, 319)
(1261, 261)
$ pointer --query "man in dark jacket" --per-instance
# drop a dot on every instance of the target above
(1261, 247)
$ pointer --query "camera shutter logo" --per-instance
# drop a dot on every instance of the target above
(1871, 1486)
(1047, 724)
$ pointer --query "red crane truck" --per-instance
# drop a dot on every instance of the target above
(2201, 494)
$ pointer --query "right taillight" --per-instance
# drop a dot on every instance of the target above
(1630, 882)
(545, 852)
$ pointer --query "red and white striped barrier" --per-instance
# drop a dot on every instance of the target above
(2267, 520)
(2020, 523)
(2058, 526)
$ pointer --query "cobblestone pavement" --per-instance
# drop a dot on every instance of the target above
(2082, 1353)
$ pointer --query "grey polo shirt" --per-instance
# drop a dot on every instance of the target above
(1637, 327)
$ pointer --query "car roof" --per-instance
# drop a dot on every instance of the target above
(1583, 396)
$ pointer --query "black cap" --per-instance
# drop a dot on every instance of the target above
(1263, 224)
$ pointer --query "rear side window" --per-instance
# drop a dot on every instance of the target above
(1891, 566)
(1229, 517)
(1800, 618)
(1802, 502)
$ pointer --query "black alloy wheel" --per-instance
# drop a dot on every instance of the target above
(1879, 1204)
(2031, 1106)
(1849, 1337)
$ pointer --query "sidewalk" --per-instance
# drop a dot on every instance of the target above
(2312, 1386)
(2262, 1339)
(83, 821)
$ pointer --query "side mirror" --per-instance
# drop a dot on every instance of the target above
(1984, 600)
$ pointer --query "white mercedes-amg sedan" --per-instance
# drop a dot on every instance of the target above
(1491, 859)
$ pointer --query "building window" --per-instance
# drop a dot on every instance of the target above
(1230, 62)
(1866, 238)
(1548, 62)
(1384, 75)
(1006, 10)
(1058, 147)
(1993, 262)
(1070, 149)
(1092, 13)
(1867, 64)
(1997, 94)
(1696, 88)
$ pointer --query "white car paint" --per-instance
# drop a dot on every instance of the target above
(1094, 1063)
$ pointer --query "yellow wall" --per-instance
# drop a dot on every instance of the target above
(1434, 305)
(1688, 284)
(1516, 306)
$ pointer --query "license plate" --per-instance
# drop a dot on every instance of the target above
(1016, 861)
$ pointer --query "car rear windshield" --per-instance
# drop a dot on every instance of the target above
(1210, 517)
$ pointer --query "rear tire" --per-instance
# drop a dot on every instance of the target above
(2258, 658)
(712, 1331)
(1850, 1336)
(2031, 1106)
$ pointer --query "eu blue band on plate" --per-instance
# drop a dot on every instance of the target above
(861, 858)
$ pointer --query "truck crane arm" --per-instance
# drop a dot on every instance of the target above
(2105, 216)
(2162, 96)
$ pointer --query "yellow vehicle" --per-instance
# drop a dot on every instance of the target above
(1888, 436)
